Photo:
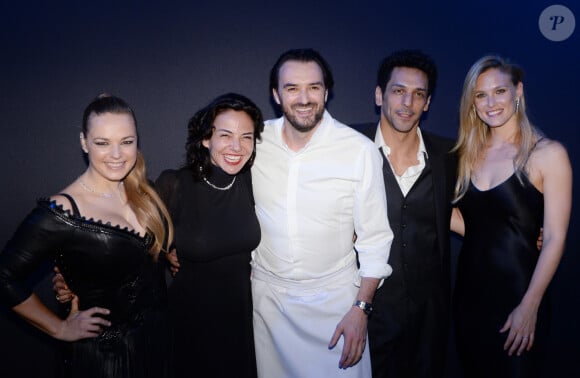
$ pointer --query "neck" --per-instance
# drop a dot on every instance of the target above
(100, 185)
(503, 134)
(296, 140)
(400, 143)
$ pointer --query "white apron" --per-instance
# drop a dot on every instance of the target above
(294, 322)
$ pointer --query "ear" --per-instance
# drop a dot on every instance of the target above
(205, 143)
(325, 95)
(520, 89)
(426, 107)
(378, 96)
(275, 95)
(84, 143)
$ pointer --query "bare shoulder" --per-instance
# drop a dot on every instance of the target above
(549, 154)
(549, 164)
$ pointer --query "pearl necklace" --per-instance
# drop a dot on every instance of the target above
(227, 187)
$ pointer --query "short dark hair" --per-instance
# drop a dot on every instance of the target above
(302, 55)
(411, 59)
(200, 128)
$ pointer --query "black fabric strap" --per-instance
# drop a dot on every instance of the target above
(73, 204)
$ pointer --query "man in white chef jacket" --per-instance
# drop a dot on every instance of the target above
(316, 183)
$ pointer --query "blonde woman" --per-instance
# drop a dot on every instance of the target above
(512, 182)
(105, 230)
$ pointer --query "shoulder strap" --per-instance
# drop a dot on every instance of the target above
(532, 150)
(72, 203)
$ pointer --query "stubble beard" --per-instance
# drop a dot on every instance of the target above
(307, 125)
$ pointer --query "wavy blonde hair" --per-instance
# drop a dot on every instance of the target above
(148, 207)
(473, 132)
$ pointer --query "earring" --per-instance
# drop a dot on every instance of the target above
(517, 104)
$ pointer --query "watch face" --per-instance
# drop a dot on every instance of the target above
(366, 307)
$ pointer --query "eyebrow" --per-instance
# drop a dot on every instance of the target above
(404, 86)
(127, 137)
(309, 84)
(492, 88)
(229, 132)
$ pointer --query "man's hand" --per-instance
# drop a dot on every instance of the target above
(63, 293)
(173, 262)
(353, 327)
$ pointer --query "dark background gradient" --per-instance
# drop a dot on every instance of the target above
(168, 60)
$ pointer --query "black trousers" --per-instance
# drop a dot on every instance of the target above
(408, 334)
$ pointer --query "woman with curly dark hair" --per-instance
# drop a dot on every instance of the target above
(211, 203)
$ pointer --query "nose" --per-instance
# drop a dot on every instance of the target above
(236, 144)
(303, 97)
(408, 99)
(491, 101)
(115, 151)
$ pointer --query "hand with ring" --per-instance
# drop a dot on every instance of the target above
(520, 326)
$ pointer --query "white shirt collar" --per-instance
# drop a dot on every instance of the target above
(380, 142)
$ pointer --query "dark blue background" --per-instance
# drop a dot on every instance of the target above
(168, 60)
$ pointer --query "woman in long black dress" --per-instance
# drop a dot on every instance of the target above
(512, 182)
(212, 207)
(105, 230)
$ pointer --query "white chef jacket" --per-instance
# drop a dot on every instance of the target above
(310, 203)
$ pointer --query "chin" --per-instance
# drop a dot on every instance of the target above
(233, 170)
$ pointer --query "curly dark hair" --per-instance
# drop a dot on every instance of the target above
(200, 128)
(410, 59)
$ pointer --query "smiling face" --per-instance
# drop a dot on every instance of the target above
(494, 97)
(405, 99)
(232, 141)
(301, 94)
(111, 145)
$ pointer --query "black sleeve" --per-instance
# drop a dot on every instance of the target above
(167, 186)
(35, 241)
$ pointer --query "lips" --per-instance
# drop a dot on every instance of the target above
(116, 165)
(494, 113)
(233, 159)
(404, 114)
(304, 110)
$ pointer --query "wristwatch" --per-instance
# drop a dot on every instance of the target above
(366, 307)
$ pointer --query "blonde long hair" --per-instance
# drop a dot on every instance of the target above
(148, 207)
(473, 132)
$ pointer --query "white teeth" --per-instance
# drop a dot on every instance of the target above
(232, 159)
